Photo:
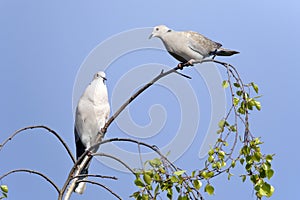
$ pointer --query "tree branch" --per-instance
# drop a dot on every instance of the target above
(96, 176)
(101, 185)
(135, 95)
(42, 127)
(32, 172)
(115, 158)
(118, 112)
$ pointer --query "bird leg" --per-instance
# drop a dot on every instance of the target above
(190, 62)
(184, 64)
(180, 66)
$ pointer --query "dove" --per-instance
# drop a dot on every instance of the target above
(189, 47)
(91, 115)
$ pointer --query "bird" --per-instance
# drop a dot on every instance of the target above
(91, 115)
(189, 47)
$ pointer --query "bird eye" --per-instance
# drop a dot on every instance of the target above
(157, 29)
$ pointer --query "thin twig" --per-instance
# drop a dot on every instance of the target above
(42, 127)
(32, 172)
(115, 158)
(135, 95)
(95, 176)
(101, 185)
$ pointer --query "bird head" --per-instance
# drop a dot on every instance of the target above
(100, 75)
(159, 31)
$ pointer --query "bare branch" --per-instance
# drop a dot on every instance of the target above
(115, 158)
(117, 113)
(135, 95)
(96, 176)
(153, 147)
(101, 185)
(42, 127)
(32, 172)
(75, 171)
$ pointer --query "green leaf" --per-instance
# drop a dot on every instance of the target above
(135, 195)
(236, 101)
(211, 152)
(138, 182)
(222, 123)
(204, 174)
(243, 178)
(174, 179)
(223, 163)
(193, 173)
(211, 159)
(182, 197)
(242, 160)
(156, 191)
(178, 173)
(265, 166)
(237, 85)
(197, 184)
(233, 164)
(255, 87)
(254, 178)
(257, 156)
(225, 143)
(269, 158)
(233, 128)
(225, 84)
(209, 189)
(248, 167)
(246, 150)
(241, 110)
(156, 162)
(266, 190)
(210, 174)
(170, 193)
(156, 177)
(221, 154)
(257, 105)
(229, 176)
(145, 197)
(4, 188)
(220, 130)
(239, 93)
(270, 173)
(262, 173)
(147, 178)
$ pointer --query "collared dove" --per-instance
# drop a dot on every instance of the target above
(91, 115)
(188, 46)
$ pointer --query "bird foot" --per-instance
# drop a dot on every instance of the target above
(89, 153)
(190, 62)
(181, 65)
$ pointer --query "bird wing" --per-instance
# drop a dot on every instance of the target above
(80, 148)
(201, 44)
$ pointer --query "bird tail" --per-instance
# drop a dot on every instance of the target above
(225, 52)
(80, 187)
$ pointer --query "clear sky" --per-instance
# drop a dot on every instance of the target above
(45, 46)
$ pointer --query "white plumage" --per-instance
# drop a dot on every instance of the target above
(91, 115)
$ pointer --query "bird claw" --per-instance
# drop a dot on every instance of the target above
(188, 63)
(180, 66)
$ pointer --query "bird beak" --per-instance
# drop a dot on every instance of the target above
(151, 36)
(104, 78)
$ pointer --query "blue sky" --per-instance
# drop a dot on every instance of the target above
(43, 45)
